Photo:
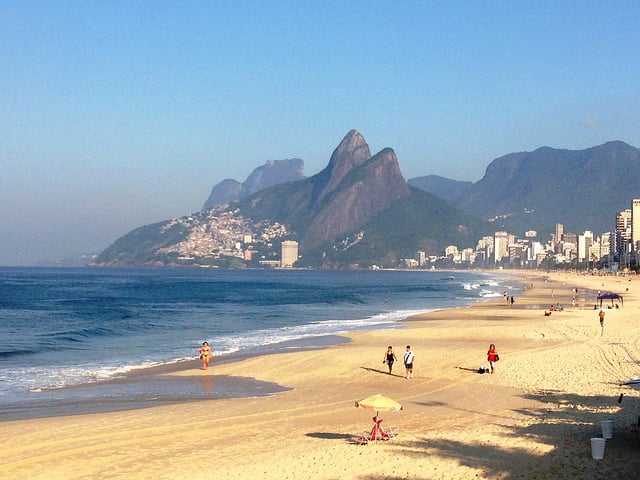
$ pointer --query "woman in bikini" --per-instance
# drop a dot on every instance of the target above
(205, 354)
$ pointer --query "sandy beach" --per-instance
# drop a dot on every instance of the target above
(558, 377)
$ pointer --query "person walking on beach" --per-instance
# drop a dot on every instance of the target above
(408, 361)
(205, 354)
(389, 358)
(601, 316)
(492, 357)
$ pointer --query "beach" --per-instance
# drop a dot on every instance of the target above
(558, 377)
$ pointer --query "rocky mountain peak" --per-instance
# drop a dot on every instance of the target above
(352, 152)
(366, 189)
(273, 172)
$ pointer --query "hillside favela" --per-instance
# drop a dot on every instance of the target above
(359, 212)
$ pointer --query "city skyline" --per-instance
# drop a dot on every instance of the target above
(583, 247)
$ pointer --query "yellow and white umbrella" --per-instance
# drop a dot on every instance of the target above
(379, 403)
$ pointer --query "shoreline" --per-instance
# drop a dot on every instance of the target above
(158, 385)
(557, 378)
(144, 386)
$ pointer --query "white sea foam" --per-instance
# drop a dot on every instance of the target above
(260, 338)
(490, 294)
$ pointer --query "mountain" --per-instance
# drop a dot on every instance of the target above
(450, 190)
(346, 194)
(357, 211)
(227, 191)
(271, 173)
(582, 189)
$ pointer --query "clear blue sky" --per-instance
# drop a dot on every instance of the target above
(116, 114)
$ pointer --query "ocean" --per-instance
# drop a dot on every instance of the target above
(79, 340)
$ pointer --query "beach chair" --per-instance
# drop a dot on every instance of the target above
(391, 433)
(377, 433)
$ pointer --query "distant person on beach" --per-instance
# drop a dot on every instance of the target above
(601, 316)
(205, 354)
(512, 300)
(492, 357)
(389, 358)
(408, 361)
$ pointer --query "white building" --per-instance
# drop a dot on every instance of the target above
(635, 222)
(584, 243)
(289, 254)
(500, 245)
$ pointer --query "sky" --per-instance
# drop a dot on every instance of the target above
(118, 114)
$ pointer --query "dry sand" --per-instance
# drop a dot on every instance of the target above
(557, 378)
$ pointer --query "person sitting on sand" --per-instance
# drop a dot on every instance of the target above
(389, 358)
(205, 354)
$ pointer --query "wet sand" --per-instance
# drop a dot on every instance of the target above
(154, 386)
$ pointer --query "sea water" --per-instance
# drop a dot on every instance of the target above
(65, 328)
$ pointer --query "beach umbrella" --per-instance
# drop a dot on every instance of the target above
(379, 403)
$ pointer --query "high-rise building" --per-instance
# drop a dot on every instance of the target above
(605, 244)
(635, 223)
(584, 243)
(623, 231)
(289, 254)
(594, 253)
(500, 245)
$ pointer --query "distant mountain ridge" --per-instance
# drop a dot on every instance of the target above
(582, 189)
(358, 211)
(271, 173)
(450, 190)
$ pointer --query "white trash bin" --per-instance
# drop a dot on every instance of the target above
(607, 428)
(597, 448)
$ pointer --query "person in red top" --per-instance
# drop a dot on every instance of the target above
(492, 357)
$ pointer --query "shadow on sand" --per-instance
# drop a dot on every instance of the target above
(330, 435)
(384, 372)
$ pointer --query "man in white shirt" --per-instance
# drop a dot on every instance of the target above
(408, 361)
